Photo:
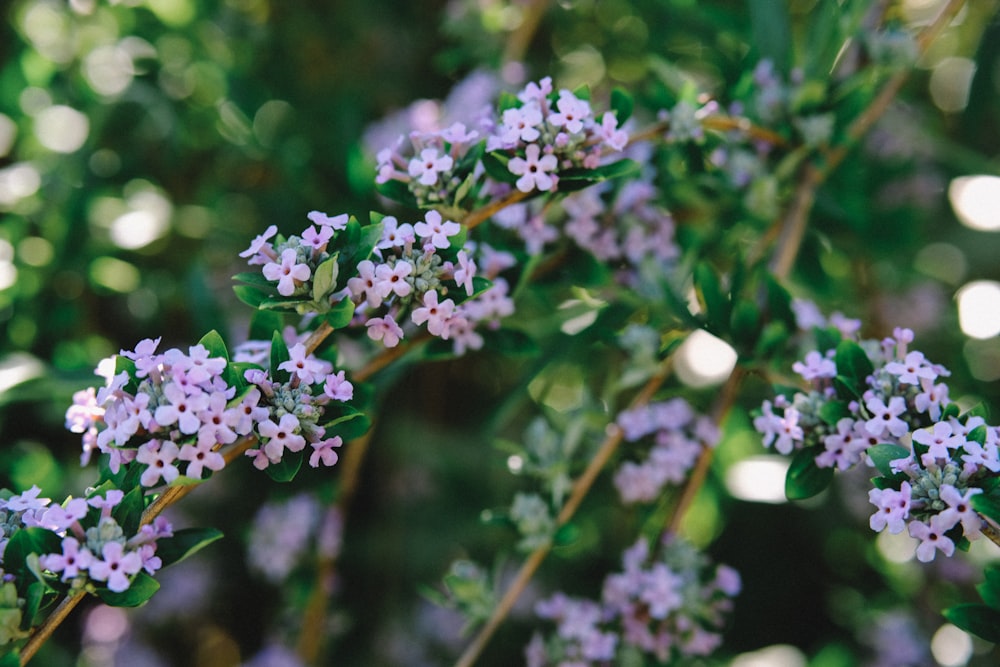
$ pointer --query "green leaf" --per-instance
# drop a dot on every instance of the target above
(349, 426)
(510, 342)
(264, 323)
(32, 603)
(325, 278)
(772, 339)
(507, 100)
(12, 659)
(978, 619)
(779, 303)
(582, 92)
(139, 591)
(397, 191)
(989, 590)
(184, 543)
(279, 355)
(717, 306)
(340, 315)
(23, 543)
(622, 104)
(883, 455)
(772, 32)
(978, 410)
(213, 342)
(833, 411)
(576, 178)
(249, 295)
(128, 513)
(978, 434)
(285, 469)
(853, 364)
(495, 164)
(255, 278)
(745, 322)
(805, 479)
(827, 338)
(987, 505)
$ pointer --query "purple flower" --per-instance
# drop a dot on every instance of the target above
(436, 230)
(435, 314)
(72, 561)
(159, 455)
(932, 538)
(288, 272)
(384, 329)
(116, 566)
(200, 456)
(324, 452)
(323, 220)
(535, 171)
(428, 165)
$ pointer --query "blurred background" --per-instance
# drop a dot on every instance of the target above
(143, 143)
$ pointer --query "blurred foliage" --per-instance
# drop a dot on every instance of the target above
(144, 142)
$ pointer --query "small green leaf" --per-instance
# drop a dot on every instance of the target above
(139, 591)
(350, 426)
(128, 513)
(249, 295)
(185, 542)
(213, 342)
(833, 411)
(853, 363)
(978, 410)
(987, 505)
(510, 342)
(285, 469)
(495, 164)
(32, 603)
(507, 100)
(883, 455)
(978, 434)
(805, 479)
(23, 543)
(340, 315)
(779, 303)
(989, 590)
(582, 92)
(622, 104)
(255, 278)
(397, 191)
(279, 355)
(325, 278)
(717, 306)
(574, 179)
(978, 619)
(745, 322)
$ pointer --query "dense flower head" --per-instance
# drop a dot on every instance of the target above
(667, 606)
(419, 276)
(678, 436)
(427, 162)
(101, 554)
(172, 412)
(899, 418)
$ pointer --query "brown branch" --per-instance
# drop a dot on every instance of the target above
(45, 630)
(581, 487)
(520, 37)
(481, 215)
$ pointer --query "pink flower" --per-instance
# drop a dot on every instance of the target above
(72, 561)
(281, 436)
(324, 452)
(258, 245)
(392, 279)
(535, 171)
(201, 456)
(395, 234)
(288, 273)
(116, 566)
(182, 409)
(428, 165)
(159, 456)
(308, 369)
(614, 138)
(436, 230)
(337, 388)
(465, 272)
(932, 538)
(317, 238)
(886, 417)
(323, 220)
(364, 285)
(435, 314)
(572, 112)
(521, 124)
(384, 329)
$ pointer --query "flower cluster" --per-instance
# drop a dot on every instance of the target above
(669, 608)
(884, 400)
(679, 435)
(172, 411)
(300, 266)
(433, 165)
(543, 133)
(415, 271)
(100, 553)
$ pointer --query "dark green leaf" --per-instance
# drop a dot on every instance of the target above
(139, 591)
(619, 169)
(950, 411)
(987, 505)
(779, 304)
(250, 296)
(745, 322)
(978, 619)
(772, 32)
(853, 364)
(264, 323)
(349, 426)
(507, 100)
(713, 299)
(978, 434)
(254, 278)
(397, 191)
(827, 338)
(833, 411)
(128, 513)
(12, 659)
(772, 339)
(805, 479)
(279, 355)
(845, 389)
(32, 603)
(495, 164)
(989, 590)
(884, 454)
(978, 410)
(26, 541)
(340, 315)
(184, 543)
(285, 469)
(622, 104)
(510, 342)
(213, 342)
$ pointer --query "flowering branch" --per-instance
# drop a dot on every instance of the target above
(581, 488)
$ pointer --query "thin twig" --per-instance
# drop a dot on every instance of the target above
(45, 630)
(581, 487)
(520, 37)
